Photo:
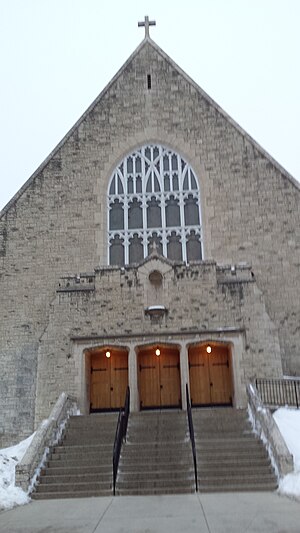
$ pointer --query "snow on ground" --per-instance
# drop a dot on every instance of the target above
(288, 421)
(10, 495)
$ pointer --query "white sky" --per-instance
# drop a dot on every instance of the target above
(57, 55)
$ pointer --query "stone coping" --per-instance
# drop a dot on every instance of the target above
(267, 429)
(47, 434)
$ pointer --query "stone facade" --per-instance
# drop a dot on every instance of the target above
(56, 226)
(203, 302)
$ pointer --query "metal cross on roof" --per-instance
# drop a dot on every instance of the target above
(147, 23)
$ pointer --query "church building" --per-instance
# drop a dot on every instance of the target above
(157, 246)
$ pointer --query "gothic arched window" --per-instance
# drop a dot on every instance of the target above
(153, 198)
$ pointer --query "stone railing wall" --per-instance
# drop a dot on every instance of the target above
(267, 429)
(78, 282)
(47, 434)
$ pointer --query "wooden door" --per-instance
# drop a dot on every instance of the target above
(220, 375)
(170, 390)
(159, 378)
(119, 378)
(210, 377)
(100, 382)
(199, 376)
(109, 379)
(149, 379)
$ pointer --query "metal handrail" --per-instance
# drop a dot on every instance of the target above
(120, 436)
(192, 435)
(279, 392)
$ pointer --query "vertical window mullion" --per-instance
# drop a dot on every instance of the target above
(163, 223)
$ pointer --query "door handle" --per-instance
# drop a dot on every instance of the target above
(111, 388)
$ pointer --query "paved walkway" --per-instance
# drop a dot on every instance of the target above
(201, 513)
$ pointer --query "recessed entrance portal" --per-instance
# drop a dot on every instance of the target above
(159, 377)
(210, 375)
(109, 379)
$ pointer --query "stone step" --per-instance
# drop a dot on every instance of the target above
(100, 418)
(165, 435)
(93, 434)
(233, 473)
(220, 481)
(220, 413)
(69, 478)
(90, 421)
(213, 421)
(160, 414)
(157, 435)
(84, 426)
(54, 470)
(158, 425)
(77, 441)
(181, 460)
(80, 448)
(239, 430)
(181, 465)
(126, 476)
(238, 487)
(143, 457)
(88, 460)
(222, 423)
(233, 419)
(158, 445)
(152, 491)
(59, 495)
(59, 455)
(93, 431)
(234, 445)
(75, 487)
(229, 452)
(246, 462)
(155, 483)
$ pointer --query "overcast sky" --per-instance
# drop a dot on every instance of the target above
(57, 56)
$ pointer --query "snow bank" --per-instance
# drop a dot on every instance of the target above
(10, 495)
(288, 421)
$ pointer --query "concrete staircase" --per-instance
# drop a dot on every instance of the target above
(81, 466)
(157, 457)
(229, 456)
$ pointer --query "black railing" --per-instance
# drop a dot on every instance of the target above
(279, 392)
(120, 436)
(192, 435)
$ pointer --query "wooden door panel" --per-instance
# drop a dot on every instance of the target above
(119, 378)
(199, 376)
(220, 376)
(100, 382)
(170, 391)
(149, 382)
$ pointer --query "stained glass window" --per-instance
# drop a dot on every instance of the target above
(153, 197)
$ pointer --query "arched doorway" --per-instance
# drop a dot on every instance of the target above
(109, 378)
(210, 374)
(159, 377)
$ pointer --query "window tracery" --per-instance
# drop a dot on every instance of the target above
(153, 197)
